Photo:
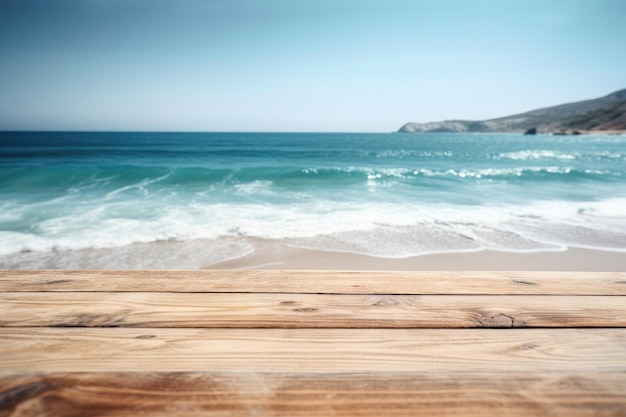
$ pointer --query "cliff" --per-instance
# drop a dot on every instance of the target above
(605, 113)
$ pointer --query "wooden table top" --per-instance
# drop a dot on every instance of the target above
(312, 343)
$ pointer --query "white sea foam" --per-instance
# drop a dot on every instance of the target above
(376, 228)
(493, 172)
(382, 173)
(537, 154)
(141, 186)
(257, 187)
(194, 254)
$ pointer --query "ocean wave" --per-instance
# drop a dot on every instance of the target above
(537, 154)
(377, 228)
(46, 185)
(531, 172)
(532, 155)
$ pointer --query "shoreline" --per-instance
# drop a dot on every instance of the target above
(262, 254)
(273, 255)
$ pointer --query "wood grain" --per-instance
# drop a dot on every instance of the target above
(311, 343)
(481, 351)
(574, 394)
(344, 282)
(141, 309)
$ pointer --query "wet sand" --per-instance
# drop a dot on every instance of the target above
(272, 255)
(247, 253)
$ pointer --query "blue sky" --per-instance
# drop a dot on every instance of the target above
(296, 65)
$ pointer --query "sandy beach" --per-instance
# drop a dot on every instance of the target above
(276, 256)
(253, 253)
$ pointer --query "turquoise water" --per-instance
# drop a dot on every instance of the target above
(388, 195)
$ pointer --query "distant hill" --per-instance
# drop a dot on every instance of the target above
(605, 113)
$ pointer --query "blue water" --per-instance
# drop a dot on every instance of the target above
(388, 195)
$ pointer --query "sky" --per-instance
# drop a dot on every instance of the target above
(299, 65)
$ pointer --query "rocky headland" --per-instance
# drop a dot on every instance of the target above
(603, 114)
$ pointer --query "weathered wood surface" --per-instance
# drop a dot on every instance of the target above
(312, 343)
(313, 350)
(301, 394)
(248, 310)
(312, 282)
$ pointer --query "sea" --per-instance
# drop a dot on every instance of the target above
(191, 200)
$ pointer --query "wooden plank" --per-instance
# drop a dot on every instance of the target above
(529, 393)
(146, 369)
(426, 351)
(344, 282)
(137, 309)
